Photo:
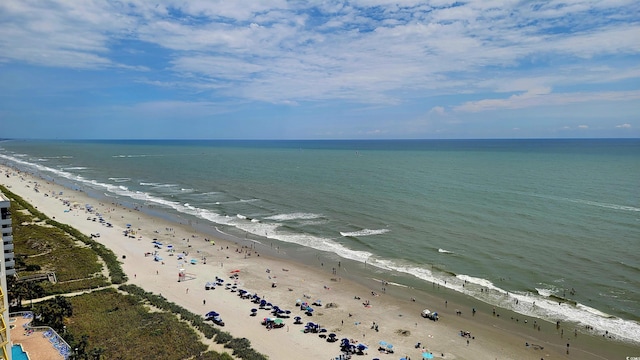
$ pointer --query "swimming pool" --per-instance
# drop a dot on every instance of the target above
(17, 353)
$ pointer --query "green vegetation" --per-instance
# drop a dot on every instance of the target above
(41, 248)
(103, 324)
(156, 335)
(241, 347)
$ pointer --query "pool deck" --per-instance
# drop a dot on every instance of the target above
(36, 345)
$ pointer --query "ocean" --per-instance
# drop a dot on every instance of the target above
(546, 228)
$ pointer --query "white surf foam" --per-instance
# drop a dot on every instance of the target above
(539, 305)
(294, 216)
(364, 232)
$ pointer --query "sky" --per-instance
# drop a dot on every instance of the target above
(361, 69)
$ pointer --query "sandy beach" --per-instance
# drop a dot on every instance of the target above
(365, 311)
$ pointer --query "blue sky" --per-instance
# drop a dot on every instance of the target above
(375, 69)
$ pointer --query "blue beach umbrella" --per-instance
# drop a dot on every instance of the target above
(382, 343)
(427, 355)
(389, 346)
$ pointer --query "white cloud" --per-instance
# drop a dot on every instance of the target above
(437, 110)
(543, 97)
(583, 126)
(623, 126)
(383, 51)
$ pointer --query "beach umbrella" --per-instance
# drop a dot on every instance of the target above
(278, 321)
(362, 346)
(427, 355)
(382, 343)
(254, 310)
(332, 335)
(389, 346)
(235, 271)
(212, 314)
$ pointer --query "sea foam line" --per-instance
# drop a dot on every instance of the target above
(364, 232)
(528, 304)
(294, 216)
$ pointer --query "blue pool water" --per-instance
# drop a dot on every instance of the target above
(18, 354)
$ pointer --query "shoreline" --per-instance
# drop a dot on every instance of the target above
(495, 337)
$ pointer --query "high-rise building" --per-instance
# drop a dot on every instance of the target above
(7, 268)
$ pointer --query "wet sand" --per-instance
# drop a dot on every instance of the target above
(395, 309)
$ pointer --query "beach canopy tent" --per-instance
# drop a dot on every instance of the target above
(212, 314)
(427, 355)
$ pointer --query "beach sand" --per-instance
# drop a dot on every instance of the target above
(259, 266)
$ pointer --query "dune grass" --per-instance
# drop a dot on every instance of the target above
(108, 324)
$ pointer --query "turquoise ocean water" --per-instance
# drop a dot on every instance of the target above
(539, 221)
